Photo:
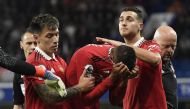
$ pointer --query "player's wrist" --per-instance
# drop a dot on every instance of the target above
(114, 77)
(40, 71)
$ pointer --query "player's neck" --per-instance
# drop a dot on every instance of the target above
(49, 54)
(132, 39)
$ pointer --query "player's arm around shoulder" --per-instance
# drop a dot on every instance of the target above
(150, 54)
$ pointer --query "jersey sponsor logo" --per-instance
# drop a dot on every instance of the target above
(61, 69)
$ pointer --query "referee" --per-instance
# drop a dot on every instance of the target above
(27, 44)
(166, 37)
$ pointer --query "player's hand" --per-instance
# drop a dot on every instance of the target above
(103, 40)
(109, 41)
(133, 72)
(86, 83)
(118, 70)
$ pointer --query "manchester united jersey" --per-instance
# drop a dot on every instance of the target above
(98, 57)
(56, 65)
(146, 91)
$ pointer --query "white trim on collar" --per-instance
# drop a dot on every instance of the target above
(139, 42)
(37, 49)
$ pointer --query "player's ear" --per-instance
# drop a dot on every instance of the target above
(21, 45)
(141, 25)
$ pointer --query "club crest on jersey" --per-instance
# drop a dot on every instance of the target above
(61, 69)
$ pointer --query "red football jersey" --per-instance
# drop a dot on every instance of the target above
(98, 57)
(146, 91)
(56, 65)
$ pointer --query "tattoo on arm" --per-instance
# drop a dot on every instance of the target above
(72, 91)
(50, 95)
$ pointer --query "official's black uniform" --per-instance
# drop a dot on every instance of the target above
(18, 88)
(18, 96)
(170, 85)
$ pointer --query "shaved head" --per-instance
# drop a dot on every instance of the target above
(165, 32)
(166, 37)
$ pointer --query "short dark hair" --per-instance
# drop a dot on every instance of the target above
(126, 55)
(28, 30)
(136, 10)
(40, 21)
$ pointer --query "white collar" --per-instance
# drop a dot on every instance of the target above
(139, 42)
(47, 57)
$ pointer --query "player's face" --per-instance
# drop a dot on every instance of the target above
(28, 43)
(48, 40)
(129, 25)
(167, 46)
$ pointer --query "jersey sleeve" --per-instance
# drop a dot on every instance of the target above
(117, 92)
(95, 94)
(153, 47)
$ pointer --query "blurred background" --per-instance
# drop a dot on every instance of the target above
(82, 20)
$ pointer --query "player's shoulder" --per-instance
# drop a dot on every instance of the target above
(60, 59)
(150, 42)
(34, 57)
(93, 47)
(151, 45)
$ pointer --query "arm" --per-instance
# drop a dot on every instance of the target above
(50, 95)
(109, 41)
(17, 92)
(120, 87)
(145, 55)
(117, 92)
(22, 67)
(15, 65)
(106, 84)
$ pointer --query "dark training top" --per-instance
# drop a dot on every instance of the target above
(170, 84)
(15, 65)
